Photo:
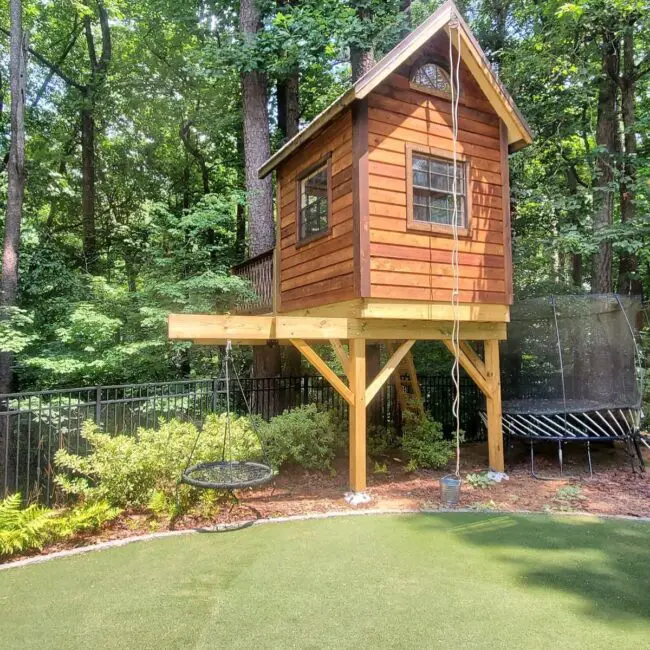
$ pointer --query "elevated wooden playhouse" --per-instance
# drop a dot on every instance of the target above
(364, 242)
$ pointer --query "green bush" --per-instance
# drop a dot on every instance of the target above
(143, 471)
(33, 526)
(380, 440)
(304, 436)
(424, 444)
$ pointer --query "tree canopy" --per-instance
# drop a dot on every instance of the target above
(136, 199)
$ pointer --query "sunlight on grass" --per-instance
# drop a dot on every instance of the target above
(466, 579)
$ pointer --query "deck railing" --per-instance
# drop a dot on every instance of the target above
(34, 425)
(258, 271)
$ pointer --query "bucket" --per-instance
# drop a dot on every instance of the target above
(450, 490)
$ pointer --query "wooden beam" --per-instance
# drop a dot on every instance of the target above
(198, 327)
(209, 327)
(408, 310)
(390, 329)
(357, 415)
(435, 311)
(312, 356)
(477, 362)
(317, 329)
(493, 403)
(341, 355)
(470, 369)
(387, 370)
(257, 342)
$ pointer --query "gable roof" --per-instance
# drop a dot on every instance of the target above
(519, 133)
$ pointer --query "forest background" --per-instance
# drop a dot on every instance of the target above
(144, 122)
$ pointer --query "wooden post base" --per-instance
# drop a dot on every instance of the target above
(357, 417)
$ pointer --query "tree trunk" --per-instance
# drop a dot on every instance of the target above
(257, 150)
(362, 58)
(15, 197)
(240, 237)
(288, 105)
(88, 182)
(628, 282)
(604, 167)
(98, 69)
(257, 142)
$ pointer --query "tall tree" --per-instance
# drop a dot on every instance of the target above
(257, 141)
(628, 280)
(257, 150)
(16, 182)
(362, 51)
(98, 69)
(606, 140)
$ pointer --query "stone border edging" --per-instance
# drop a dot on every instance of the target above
(116, 543)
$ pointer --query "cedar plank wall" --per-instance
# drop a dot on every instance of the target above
(321, 271)
(416, 265)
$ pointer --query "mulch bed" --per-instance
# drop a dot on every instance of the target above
(614, 489)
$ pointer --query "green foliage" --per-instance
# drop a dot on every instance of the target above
(424, 444)
(24, 528)
(479, 480)
(568, 498)
(33, 526)
(380, 440)
(380, 469)
(304, 436)
(143, 471)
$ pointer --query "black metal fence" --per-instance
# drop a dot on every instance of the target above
(34, 425)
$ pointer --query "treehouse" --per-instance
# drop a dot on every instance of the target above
(405, 171)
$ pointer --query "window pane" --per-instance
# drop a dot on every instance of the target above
(314, 203)
(430, 75)
(438, 207)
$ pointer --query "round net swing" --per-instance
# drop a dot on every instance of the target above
(571, 369)
(227, 473)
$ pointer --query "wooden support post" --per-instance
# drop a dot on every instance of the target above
(493, 402)
(342, 356)
(392, 363)
(328, 374)
(357, 424)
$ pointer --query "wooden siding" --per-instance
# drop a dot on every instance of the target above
(321, 271)
(409, 264)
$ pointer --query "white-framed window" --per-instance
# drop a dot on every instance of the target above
(314, 200)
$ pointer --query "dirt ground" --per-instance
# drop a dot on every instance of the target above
(614, 489)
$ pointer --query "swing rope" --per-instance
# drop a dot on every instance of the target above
(455, 294)
(228, 474)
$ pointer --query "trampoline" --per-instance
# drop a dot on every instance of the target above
(571, 372)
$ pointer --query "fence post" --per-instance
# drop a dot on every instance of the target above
(214, 394)
(98, 405)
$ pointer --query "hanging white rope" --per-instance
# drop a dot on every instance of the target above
(454, 68)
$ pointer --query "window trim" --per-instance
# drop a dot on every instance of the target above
(323, 161)
(427, 89)
(438, 228)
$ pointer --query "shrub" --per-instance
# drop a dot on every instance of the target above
(479, 480)
(423, 443)
(23, 528)
(304, 436)
(33, 526)
(144, 470)
(380, 440)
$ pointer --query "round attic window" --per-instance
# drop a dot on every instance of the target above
(430, 77)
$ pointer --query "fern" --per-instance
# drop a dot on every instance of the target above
(24, 528)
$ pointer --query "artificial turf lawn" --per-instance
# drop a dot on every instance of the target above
(458, 580)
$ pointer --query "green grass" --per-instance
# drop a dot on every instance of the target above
(412, 581)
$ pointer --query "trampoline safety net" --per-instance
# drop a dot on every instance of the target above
(571, 353)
